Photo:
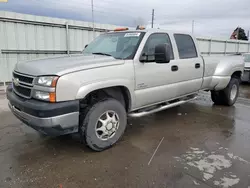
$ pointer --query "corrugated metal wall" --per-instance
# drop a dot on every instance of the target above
(212, 46)
(26, 37)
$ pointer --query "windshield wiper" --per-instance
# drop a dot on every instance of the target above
(101, 53)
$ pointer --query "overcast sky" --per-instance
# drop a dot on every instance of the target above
(211, 17)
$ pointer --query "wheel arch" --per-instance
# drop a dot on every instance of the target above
(237, 74)
(118, 92)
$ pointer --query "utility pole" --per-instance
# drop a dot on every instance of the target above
(93, 20)
(248, 35)
(153, 17)
(192, 26)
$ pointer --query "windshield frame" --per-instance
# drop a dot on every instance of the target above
(142, 34)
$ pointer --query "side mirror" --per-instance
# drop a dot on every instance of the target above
(162, 53)
(144, 57)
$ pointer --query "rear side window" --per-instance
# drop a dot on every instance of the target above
(185, 45)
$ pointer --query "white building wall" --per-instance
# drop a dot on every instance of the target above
(26, 37)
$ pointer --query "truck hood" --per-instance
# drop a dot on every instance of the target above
(61, 65)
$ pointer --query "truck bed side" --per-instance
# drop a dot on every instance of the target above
(218, 70)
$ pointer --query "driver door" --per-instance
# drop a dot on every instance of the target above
(154, 82)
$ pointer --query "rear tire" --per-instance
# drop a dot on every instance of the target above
(104, 124)
(227, 96)
(231, 92)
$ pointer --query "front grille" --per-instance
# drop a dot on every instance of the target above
(22, 84)
(25, 92)
(22, 78)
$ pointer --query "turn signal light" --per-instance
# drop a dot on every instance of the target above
(52, 97)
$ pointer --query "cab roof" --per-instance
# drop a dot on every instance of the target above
(153, 31)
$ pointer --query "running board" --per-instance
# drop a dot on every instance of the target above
(167, 106)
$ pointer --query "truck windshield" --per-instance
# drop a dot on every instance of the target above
(247, 58)
(120, 45)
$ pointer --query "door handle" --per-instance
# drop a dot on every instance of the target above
(174, 68)
(197, 65)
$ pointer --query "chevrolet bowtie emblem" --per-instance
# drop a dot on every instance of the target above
(16, 81)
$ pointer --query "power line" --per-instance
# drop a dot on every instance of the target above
(117, 13)
(122, 4)
(89, 8)
(115, 5)
(92, 9)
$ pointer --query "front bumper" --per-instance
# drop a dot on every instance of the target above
(52, 119)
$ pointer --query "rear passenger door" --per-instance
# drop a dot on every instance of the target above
(190, 65)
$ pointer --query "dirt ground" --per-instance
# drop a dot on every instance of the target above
(194, 145)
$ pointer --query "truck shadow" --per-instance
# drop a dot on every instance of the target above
(183, 118)
(245, 90)
(135, 126)
(66, 142)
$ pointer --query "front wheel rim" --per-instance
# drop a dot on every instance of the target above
(107, 125)
(233, 93)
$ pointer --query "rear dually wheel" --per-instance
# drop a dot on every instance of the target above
(227, 96)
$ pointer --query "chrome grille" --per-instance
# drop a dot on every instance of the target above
(22, 84)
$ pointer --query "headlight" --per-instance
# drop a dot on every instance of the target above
(41, 95)
(49, 81)
(45, 96)
(47, 92)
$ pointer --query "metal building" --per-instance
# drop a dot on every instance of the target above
(26, 37)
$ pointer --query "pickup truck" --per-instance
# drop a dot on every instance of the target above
(120, 74)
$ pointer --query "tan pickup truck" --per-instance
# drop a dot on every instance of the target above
(121, 73)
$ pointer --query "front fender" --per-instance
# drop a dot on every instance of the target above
(85, 89)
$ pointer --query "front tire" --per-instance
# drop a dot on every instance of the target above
(104, 124)
(229, 95)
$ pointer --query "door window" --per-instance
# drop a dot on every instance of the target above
(153, 41)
